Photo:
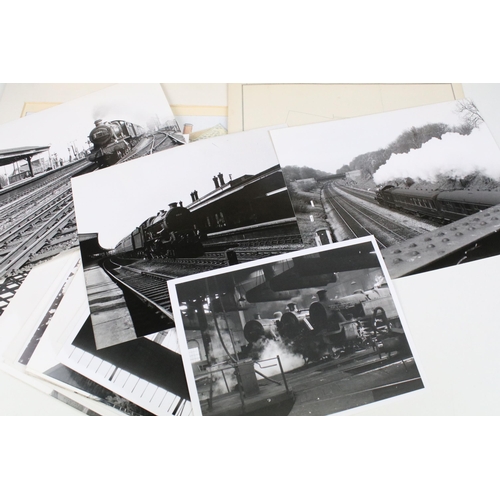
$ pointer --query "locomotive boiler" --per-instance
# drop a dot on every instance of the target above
(365, 317)
(113, 140)
(170, 233)
(332, 327)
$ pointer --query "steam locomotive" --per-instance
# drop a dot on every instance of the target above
(113, 140)
(332, 327)
(445, 206)
(170, 234)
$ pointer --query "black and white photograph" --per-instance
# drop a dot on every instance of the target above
(313, 332)
(47, 334)
(40, 153)
(53, 346)
(204, 206)
(425, 181)
(144, 376)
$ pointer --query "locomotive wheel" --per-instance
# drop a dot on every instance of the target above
(336, 353)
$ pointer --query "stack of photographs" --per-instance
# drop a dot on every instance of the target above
(243, 274)
(39, 258)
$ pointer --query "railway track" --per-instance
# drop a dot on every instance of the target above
(149, 287)
(359, 193)
(28, 194)
(37, 222)
(24, 245)
(23, 224)
(37, 216)
(333, 386)
(158, 141)
(143, 148)
(9, 287)
(361, 220)
(147, 280)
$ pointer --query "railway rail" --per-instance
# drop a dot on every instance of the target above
(360, 220)
(158, 141)
(28, 191)
(24, 224)
(359, 193)
(26, 245)
(149, 287)
(37, 222)
(365, 376)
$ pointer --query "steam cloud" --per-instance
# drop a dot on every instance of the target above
(289, 360)
(125, 111)
(454, 156)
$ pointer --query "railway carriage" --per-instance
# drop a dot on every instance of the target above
(454, 205)
(446, 206)
(131, 245)
(249, 206)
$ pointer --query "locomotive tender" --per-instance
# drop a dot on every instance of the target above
(113, 140)
(170, 233)
(446, 206)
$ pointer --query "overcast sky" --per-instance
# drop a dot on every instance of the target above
(114, 201)
(330, 145)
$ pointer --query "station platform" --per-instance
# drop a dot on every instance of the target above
(110, 316)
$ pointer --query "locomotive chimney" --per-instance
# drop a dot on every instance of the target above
(322, 295)
(173, 205)
(98, 122)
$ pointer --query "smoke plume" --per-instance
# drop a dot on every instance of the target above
(453, 156)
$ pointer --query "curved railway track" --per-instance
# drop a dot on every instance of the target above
(143, 148)
(359, 193)
(360, 220)
(147, 279)
(149, 287)
(148, 145)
